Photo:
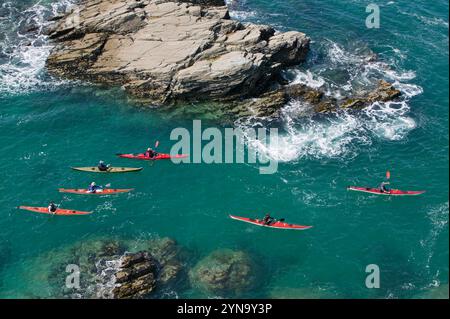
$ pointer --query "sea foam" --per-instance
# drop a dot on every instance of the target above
(343, 133)
(24, 52)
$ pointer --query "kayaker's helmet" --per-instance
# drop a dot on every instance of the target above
(101, 162)
(149, 149)
(93, 184)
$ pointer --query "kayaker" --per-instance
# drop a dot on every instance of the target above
(102, 166)
(150, 153)
(268, 219)
(93, 188)
(52, 208)
(383, 187)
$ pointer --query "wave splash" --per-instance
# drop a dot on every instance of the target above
(340, 72)
(23, 46)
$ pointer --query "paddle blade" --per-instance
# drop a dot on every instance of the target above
(388, 174)
(156, 144)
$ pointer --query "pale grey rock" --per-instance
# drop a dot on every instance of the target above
(164, 51)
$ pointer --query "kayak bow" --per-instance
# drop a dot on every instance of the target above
(105, 191)
(276, 224)
(59, 211)
(392, 192)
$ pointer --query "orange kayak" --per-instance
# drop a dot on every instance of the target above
(105, 191)
(59, 211)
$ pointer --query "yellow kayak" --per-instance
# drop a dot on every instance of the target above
(95, 169)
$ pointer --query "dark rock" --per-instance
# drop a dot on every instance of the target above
(383, 92)
(136, 276)
(270, 103)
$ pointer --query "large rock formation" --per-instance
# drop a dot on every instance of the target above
(164, 51)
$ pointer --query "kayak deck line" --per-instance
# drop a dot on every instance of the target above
(376, 191)
(276, 224)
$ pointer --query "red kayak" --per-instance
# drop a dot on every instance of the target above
(160, 156)
(377, 191)
(105, 191)
(276, 224)
(59, 211)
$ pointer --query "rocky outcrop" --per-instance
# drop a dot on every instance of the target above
(224, 271)
(109, 269)
(135, 277)
(269, 104)
(164, 51)
(168, 51)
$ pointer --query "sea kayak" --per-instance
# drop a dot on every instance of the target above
(392, 192)
(59, 211)
(110, 170)
(160, 156)
(105, 191)
(276, 224)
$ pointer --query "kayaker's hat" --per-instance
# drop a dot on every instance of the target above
(93, 184)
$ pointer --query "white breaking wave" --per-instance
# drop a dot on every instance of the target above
(309, 79)
(23, 54)
(342, 134)
(237, 10)
(329, 137)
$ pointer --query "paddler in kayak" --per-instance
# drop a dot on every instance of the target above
(102, 166)
(150, 153)
(93, 188)
(383, 187)
(268, 219)
(52, 208)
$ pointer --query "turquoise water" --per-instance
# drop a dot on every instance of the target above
(47, 126)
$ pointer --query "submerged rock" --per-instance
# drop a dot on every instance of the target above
(164, 51)
(224, 272)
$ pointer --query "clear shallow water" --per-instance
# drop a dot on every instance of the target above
(46, 126)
